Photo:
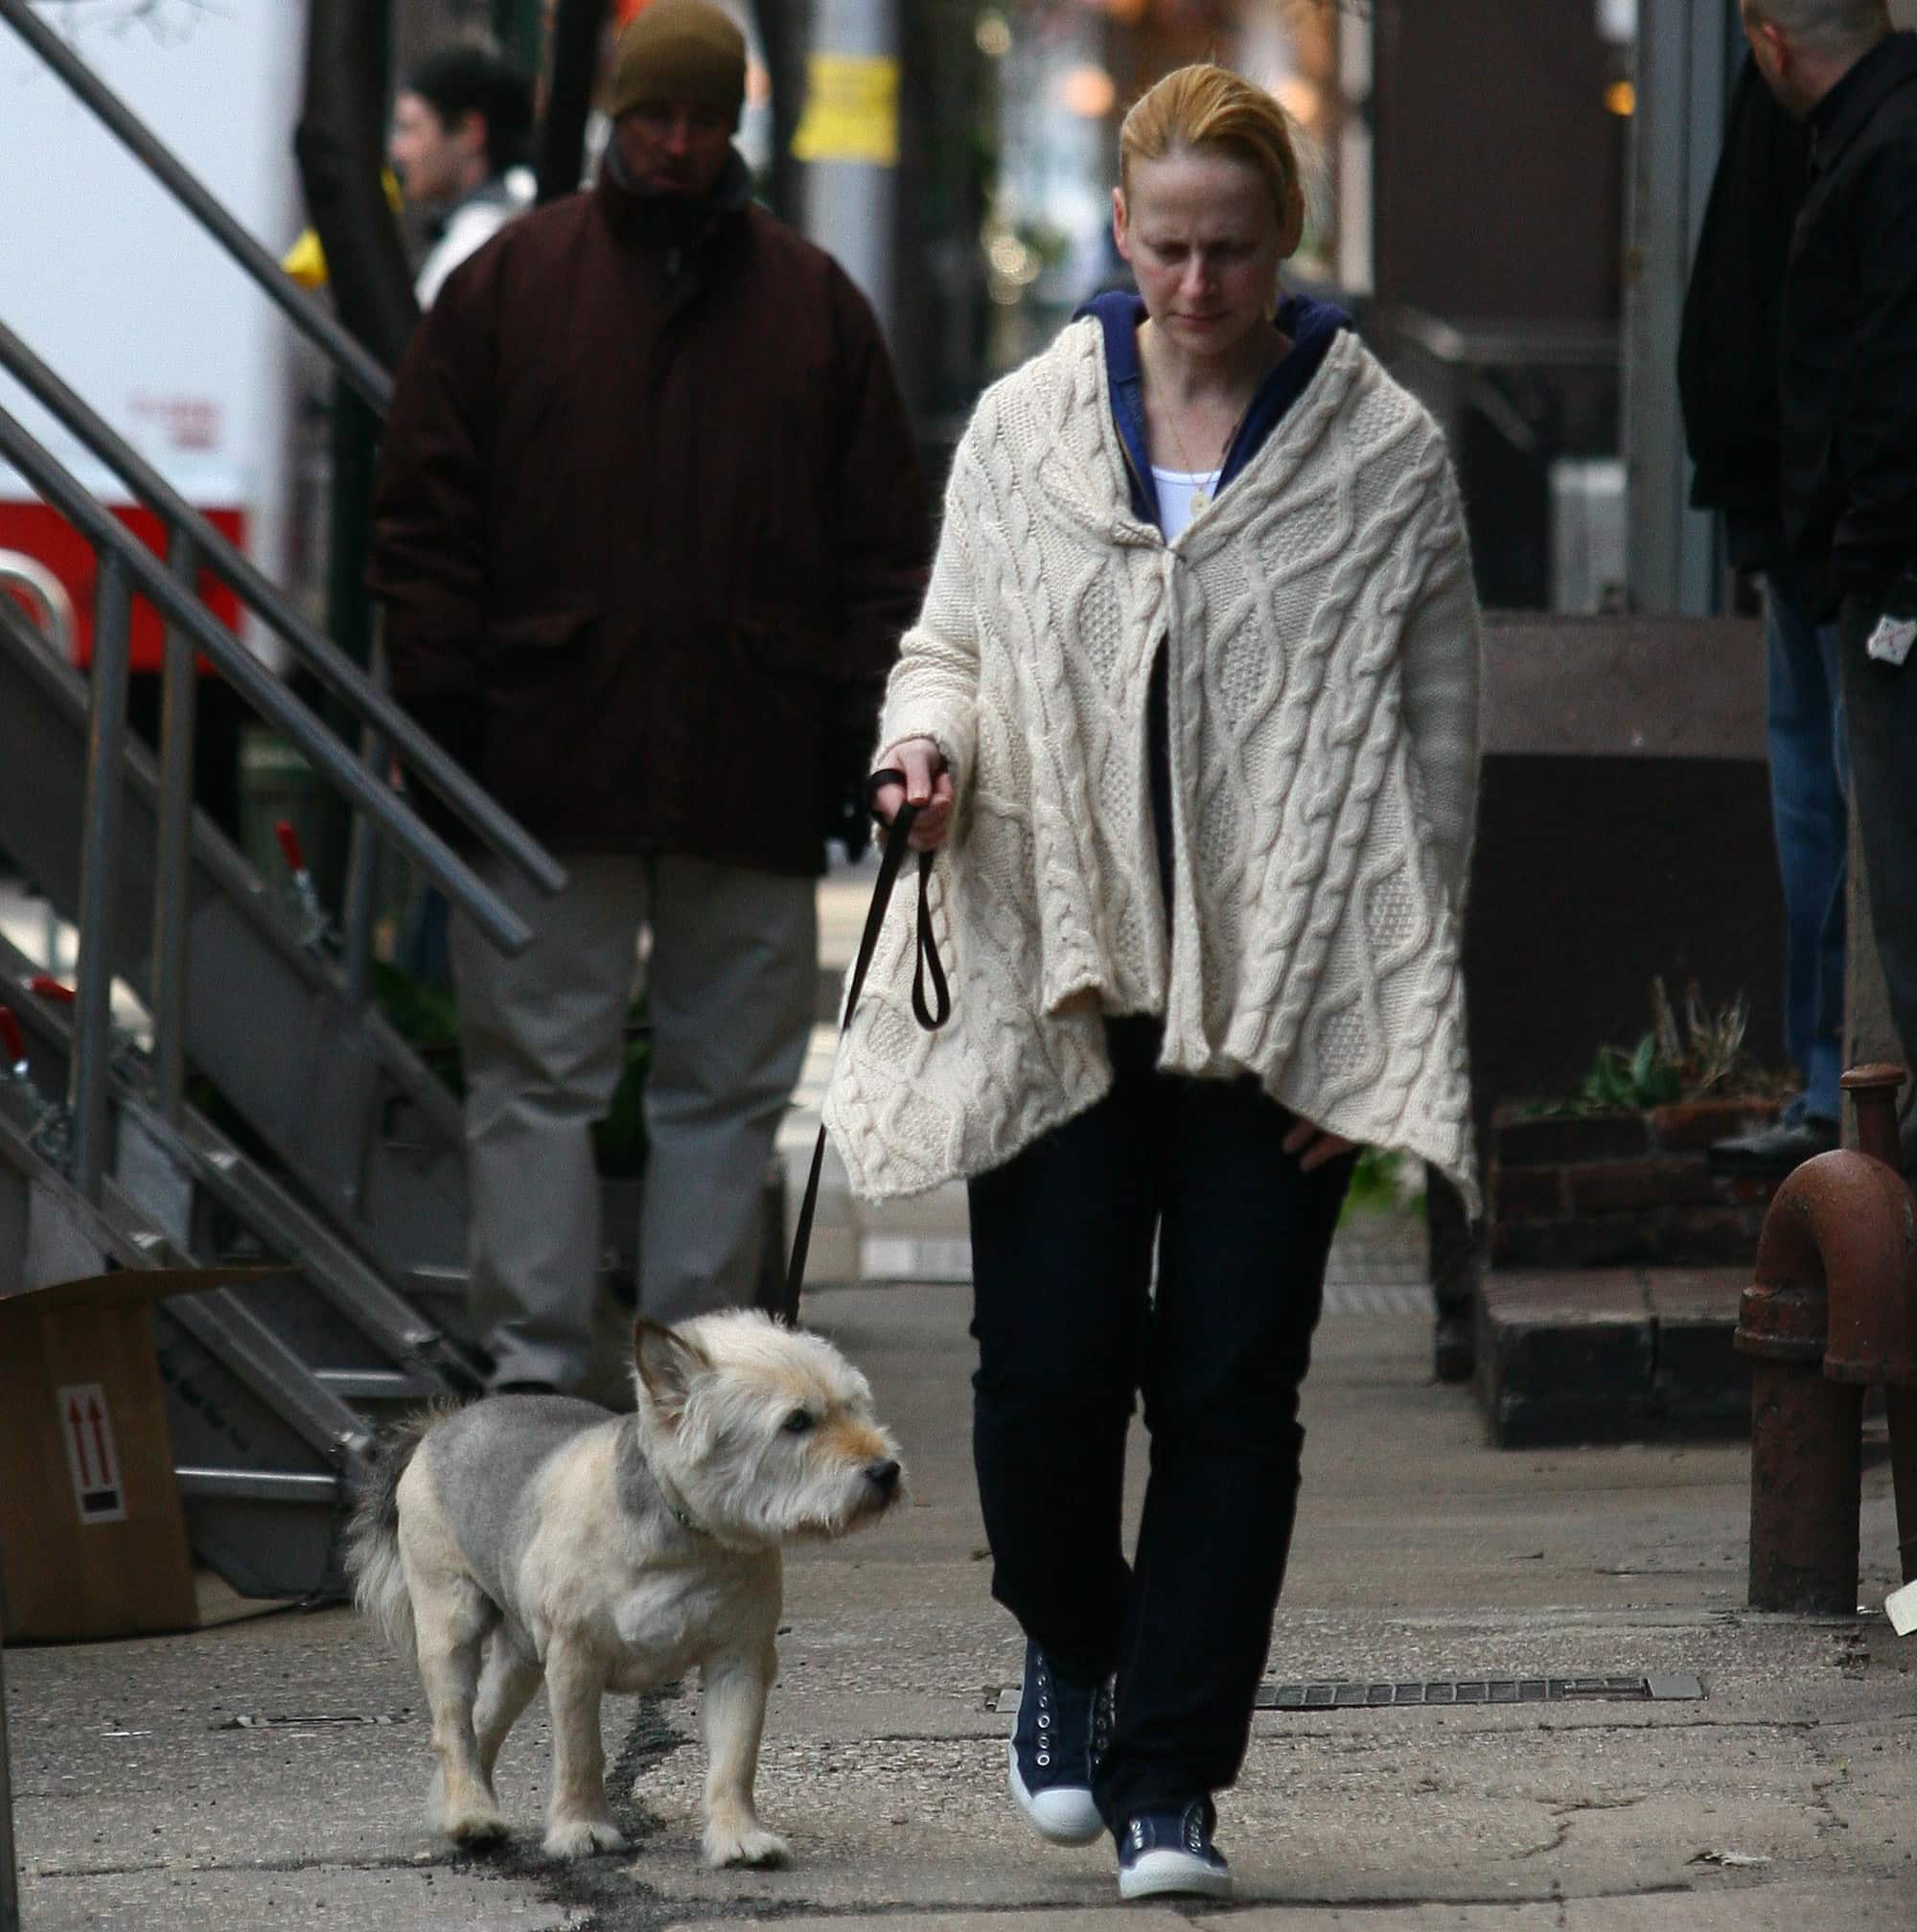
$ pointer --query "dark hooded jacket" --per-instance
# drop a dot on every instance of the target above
(1848, 359)
(649, 525)
(1727, 353)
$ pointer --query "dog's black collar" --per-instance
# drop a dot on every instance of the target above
(680, 1515)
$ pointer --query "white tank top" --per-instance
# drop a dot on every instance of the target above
(1182, 494)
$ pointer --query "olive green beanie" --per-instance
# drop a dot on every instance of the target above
(679, 50)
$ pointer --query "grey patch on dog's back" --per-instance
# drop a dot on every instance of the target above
(485, 1462)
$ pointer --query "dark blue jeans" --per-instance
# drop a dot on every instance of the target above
(1808, 778)
(1070, 1330)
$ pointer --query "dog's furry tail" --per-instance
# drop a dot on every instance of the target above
(373, 1535)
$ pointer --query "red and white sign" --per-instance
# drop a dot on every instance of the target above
(130, 303)
(93, 1462)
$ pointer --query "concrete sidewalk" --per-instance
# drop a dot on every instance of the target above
(1783, 1797)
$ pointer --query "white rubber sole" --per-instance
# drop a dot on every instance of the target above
(1064, 1815)
(1167, 1873)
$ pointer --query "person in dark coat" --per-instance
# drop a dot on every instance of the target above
(649, 525)
(1727, 382)
(1848, 392)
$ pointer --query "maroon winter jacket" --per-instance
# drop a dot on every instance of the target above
(649, 525)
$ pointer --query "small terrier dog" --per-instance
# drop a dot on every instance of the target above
(529, 1535)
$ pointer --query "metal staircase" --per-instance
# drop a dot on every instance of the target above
(340, 1167)
(363, 1126)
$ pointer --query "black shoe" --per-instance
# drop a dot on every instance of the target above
(1171, 1855)
(1062, 1732)
(1783, 1145)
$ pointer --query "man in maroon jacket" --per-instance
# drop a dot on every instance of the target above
(649, 526)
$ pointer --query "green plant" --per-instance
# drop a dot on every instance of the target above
(1699, 1056)
(1383, 1181)
(1637, 1080)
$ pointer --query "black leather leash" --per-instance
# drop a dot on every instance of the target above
(931, 1015)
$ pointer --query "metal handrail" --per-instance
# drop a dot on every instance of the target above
(332, 666)
(345, 354)
(31, 575)
(502, 926)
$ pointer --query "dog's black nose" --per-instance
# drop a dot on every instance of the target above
(883, 1477)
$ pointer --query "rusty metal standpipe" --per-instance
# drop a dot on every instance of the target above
(1833, 1310)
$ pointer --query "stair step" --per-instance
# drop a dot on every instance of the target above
(372, 1385)
(255, 1485)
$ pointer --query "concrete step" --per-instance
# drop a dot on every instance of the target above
(1611, 1355)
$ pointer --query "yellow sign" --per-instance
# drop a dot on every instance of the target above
(851, 110)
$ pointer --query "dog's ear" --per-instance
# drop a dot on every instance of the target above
(667, 1363)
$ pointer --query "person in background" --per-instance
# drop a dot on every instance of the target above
(461, 120)
(1727, 382)
(1847, 366)
(648, 525)
(1192, 713)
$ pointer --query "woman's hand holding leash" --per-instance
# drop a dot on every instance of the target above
(928, 785)
(1317, 1146)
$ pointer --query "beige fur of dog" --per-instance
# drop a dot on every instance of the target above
(530, 1535)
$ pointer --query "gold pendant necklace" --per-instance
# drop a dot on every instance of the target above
(1204, 494)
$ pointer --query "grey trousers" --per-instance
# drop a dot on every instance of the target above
(730, 981)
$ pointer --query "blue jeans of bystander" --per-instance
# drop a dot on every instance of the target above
(1809, 781)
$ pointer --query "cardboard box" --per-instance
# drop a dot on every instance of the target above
(92, 1536)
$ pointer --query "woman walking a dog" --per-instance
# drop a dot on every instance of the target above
(1190, 713)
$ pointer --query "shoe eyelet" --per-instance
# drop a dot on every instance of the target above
(1044, 1723)
(1045, 1756)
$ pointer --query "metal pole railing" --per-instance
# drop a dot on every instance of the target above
(362, 865)
(98, 875)
(9, 1884)
(346, 354)
(173, 866)
(333, 760)
(31, 575)
(332, 666)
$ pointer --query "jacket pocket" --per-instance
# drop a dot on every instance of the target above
(794, 646)
(518, 649)
(548, 631)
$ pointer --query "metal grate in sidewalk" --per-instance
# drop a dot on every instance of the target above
(1355, 1695)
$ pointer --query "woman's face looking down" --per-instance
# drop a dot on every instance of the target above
(1204, 240)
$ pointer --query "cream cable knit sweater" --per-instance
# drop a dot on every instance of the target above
(1324, 643)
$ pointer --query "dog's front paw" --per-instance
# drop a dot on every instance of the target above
(583, 1837)
(474, 1825)
(471, 1818)
(745, 1845)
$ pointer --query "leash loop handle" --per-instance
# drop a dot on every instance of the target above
(931, 1014)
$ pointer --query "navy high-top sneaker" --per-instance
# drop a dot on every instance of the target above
(1171, 1855)
(1062, 1731)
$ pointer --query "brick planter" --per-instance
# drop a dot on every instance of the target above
(1611, 1191)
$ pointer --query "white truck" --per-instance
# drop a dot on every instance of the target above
(115, 286)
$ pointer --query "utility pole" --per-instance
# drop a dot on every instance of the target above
(10, 1891)
(849, 140)
(1684, 55)
(516, 27)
